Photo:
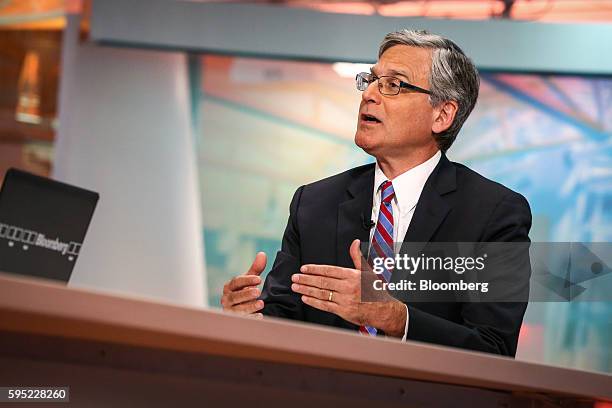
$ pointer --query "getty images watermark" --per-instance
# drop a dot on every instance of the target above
(489, 272)
(412, 265)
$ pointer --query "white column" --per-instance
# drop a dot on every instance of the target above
(125, 131)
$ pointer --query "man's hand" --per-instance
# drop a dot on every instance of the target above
(240, 294)
(316, 282)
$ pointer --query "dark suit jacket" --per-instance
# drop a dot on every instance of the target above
(456, 205)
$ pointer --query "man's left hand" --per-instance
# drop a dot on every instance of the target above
(338, 290)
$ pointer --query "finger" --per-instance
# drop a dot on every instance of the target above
(257, 315)
(240, 282)
(317, 281)
(258, 265)
(310, 291)
(323, 295)
(355, 253)
(249, 307)
(326, 270)
(321, 304)
(241, 296)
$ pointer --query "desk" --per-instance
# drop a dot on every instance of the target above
(124, 351)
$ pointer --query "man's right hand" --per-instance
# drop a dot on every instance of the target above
(240, 294)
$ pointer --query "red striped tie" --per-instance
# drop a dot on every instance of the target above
(382, 241)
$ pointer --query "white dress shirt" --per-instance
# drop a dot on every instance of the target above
(407, 187)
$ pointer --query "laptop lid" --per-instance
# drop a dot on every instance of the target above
(42, 225)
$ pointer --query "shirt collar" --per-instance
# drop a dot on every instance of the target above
(409, 184)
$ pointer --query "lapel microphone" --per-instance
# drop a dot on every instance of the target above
(366, 223)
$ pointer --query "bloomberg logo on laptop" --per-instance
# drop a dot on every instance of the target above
(43, 224)
(30, 238)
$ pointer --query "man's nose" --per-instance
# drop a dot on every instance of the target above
(371, 94)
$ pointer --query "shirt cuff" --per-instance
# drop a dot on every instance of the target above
(406, 328)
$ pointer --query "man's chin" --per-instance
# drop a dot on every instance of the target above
(366, 142)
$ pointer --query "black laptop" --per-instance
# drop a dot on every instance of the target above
(42, 225)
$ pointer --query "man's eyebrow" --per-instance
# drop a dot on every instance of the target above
(401, 73)
(392, 72)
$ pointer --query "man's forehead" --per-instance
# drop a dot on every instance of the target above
(403, 60)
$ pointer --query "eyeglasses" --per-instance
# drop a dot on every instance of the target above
(387, 85)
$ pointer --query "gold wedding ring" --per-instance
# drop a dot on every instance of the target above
(331, 294)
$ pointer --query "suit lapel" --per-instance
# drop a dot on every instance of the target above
(430, 211)
(352, 213)
(432, 208)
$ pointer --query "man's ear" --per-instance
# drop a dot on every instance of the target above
(443, 116)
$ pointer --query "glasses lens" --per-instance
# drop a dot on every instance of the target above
(389, 86)
(362, 81)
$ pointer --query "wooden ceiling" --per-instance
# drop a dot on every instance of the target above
(535, 10)
(33, 14)
(48, 14)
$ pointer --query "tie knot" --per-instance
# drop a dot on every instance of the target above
(387, 192)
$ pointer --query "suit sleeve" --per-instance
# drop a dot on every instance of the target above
(487, 326)
(279, 299)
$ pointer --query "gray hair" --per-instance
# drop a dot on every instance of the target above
(453, 76)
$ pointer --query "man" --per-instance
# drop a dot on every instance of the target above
(415, 100)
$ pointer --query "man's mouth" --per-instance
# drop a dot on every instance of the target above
(369, 118)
